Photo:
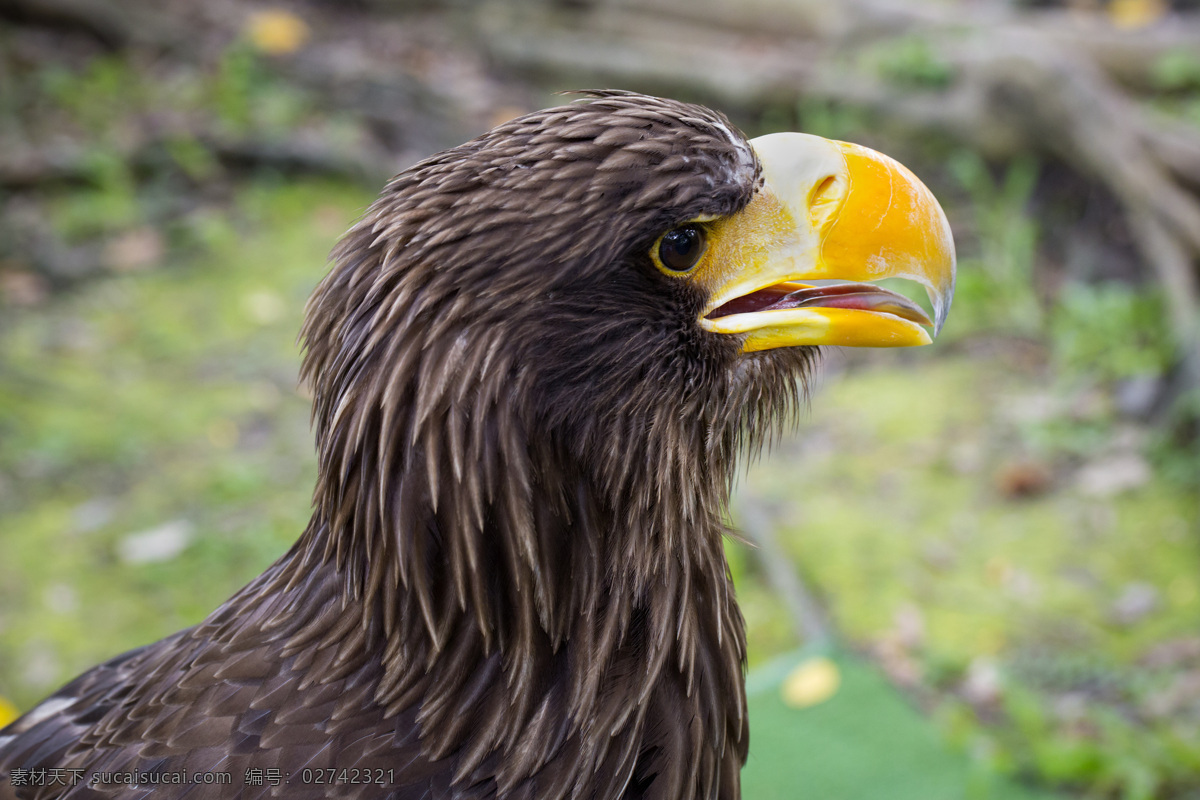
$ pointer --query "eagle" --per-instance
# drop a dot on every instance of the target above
(535, 362)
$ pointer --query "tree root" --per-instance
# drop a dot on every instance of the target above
(113, 24)
(1000, 82)
(20, 171)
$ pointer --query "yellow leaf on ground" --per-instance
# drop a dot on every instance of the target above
(1136, 13)
(277, 32)
(8, 712)
(813, 681)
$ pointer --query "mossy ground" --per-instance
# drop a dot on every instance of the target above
(890, 500)
(164, 397)
(996, 607)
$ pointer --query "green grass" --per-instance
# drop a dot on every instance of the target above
(149, 399)
(866, 742)
(890, 503)
(890, 520)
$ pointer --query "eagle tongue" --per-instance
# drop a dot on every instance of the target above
(857, 296)
(760, 300)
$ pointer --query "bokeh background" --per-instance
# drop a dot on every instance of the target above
(996, 539)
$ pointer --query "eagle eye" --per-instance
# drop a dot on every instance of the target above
(680, 249)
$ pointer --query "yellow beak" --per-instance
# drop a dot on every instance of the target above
(827, 211)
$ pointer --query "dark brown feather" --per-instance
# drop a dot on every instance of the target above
(513, 584)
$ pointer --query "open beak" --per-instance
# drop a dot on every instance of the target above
(828, 211)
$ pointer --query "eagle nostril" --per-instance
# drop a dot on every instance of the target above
(822, 201)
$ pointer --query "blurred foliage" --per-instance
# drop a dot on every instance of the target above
(911, 61)
(1105, 751)
(1176, 77)
(110, 202)
(1174, 444)
(824, 119)
(1176, 71)
(157, 397)
(112, 99)
(1109, 331)
(995, 287)
(247, 96)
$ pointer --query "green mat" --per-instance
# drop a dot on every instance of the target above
(864, 743)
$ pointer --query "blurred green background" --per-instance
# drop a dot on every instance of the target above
(997, 537)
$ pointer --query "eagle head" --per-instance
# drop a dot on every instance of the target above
(534, 362)
(612, 288)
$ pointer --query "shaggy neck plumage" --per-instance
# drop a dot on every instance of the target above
(543, 574)
(444, 503)
(525, 444)
(506, 571)
(562, 572)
